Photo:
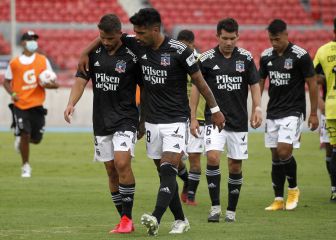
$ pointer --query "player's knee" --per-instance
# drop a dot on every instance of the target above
(181, 165)
(122, 165)
(212, 159)
(284, 154)
(195, 168)
(235, 166)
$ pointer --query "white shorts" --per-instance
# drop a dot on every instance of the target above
(171, 137)
(105, 146)
(324, 138)
(235, 142)
(196, 145)
(285, 130)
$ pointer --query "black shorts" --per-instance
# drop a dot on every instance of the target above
(30, 121)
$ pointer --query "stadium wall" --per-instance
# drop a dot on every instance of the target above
(57, 100)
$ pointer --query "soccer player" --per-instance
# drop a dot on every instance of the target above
(288, 67)
(114, 72)
(195, 145)
(165, 64)
(229, 71)
(28, 95)
(324, 138)
(325, 60)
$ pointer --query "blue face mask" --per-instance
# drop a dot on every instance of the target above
(31, 46)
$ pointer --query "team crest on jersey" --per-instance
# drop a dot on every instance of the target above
(288, 63)
(165, 59)
(240, 66)
(120, 66)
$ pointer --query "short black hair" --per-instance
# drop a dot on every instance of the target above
(277, 26)
(228, 24)
(146, 17)
(186, 35)
(109, 23)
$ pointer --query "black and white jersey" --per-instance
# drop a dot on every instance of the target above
(228, 79)
(287, 75)
(164, 73)
(114, 79)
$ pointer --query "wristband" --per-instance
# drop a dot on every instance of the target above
(313, 114)
(13, 94)
(258, 108)
(214, 109)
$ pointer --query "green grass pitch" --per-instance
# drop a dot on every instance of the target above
(68, 198)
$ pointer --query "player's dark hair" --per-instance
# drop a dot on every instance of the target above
(186, 35)
(228, 24)
(146, 17)
(109, 23)
(277, 26)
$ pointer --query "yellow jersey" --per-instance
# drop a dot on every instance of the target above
(325, 59)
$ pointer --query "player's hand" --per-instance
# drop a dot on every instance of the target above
(68, 113)
(51, 85)
(15, 98)
(313, 122)
(194, 128)
(141, 130)
(218, 120)
(256, 118)
(83, 64)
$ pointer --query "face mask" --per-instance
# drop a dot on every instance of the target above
(31, 46)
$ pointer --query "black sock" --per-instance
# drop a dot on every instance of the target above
(328, 159)
(167, 189)
(116, 198)
(290, 171)
(183, 174)
(278, 178)
(175, 205)
(235, 182)
(127, 198)
(333, 167)
(213, 177)
(333, 184)
(193, 181)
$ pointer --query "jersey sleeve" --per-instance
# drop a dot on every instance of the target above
(187, 58)
(252, 73)
(316, 62)
(306, 66)
(9, 73)
(130, 42)
(138, 75)
(82, 75)
(203, 69)
(49, 67)
(262, 69)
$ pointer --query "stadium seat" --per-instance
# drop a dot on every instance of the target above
(4, 46)
(245, 11)
(61, 11)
